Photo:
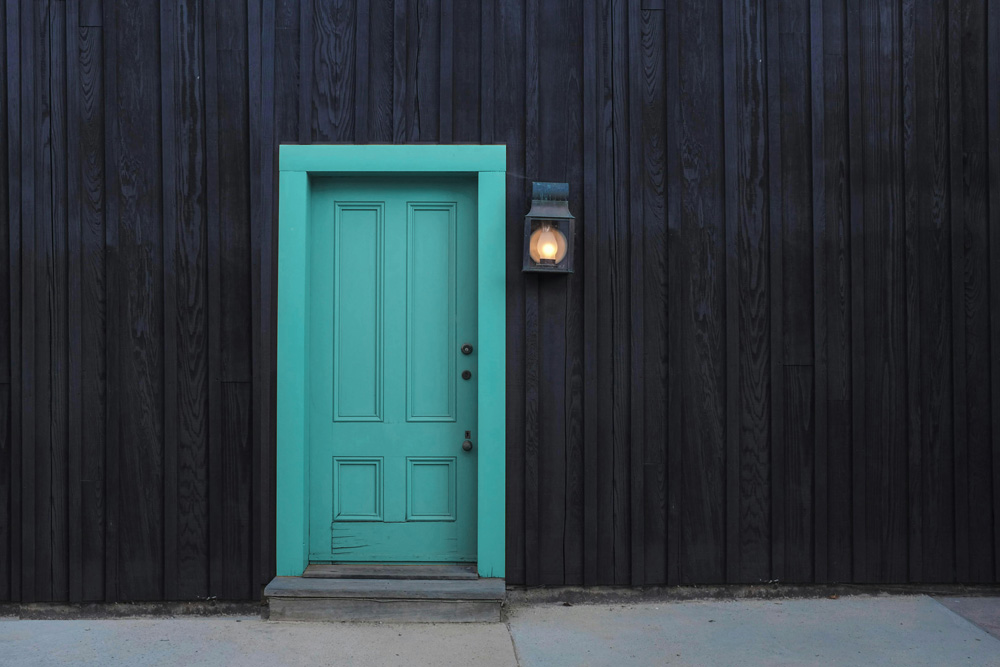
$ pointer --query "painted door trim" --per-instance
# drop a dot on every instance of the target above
(296, 164)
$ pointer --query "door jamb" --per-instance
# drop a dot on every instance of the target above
(296, 165)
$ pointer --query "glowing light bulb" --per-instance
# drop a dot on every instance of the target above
(548, 245)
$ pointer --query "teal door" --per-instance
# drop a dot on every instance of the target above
(392, 393)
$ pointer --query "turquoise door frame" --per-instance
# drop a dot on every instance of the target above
(296, 165)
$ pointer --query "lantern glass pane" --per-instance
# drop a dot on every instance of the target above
(547, 244)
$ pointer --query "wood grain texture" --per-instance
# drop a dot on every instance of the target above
(5, 198)
(912, 293)
(400, 39)
(5, 494)
(884, 458)
(993, 146)
(112, 307)
(619, 282)
(636, 288)
(74, 324)
(956, 202)
(859, 541)
(652, 148)
(237, 489)
(424, 70)
(604, 359)
(362, 83)
(235, 317)
(140, 344)
(509, 128)
(58, 306)
(487, 88)
(446, 95)
(798, 513)
(469, 76)
(333, 56)
(574, 362)
(213, 223)
(748, 331)
(776, 198)
(973, 526)
(776, 358)
(534, 419)
(90, 14)
(794, 455)
(5, 329)
(12, 82)
(307, 20)
(286, 73)
(90, 91)
(588, 238)
(170, 351)
(559, 121)
(260, 52)
(46, 430)
(929, 300)
(675, 295)
(821, 277)
(380, 75)
(835, 305)
(732, 59)
(191, 312)
(27, 303)
(702, 311)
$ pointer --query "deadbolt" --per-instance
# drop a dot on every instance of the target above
(466, 349)
(466, 375)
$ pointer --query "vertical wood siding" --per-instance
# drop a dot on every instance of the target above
(778, 359)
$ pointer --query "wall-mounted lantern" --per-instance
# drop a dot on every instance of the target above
(548, 230)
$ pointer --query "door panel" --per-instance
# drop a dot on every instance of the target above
(357, 311)
(430, 488)
(392, 300)
(357, 487)
(430, 312)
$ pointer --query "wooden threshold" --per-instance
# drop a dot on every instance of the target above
(434, 571)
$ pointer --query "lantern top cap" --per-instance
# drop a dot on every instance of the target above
(550, 200)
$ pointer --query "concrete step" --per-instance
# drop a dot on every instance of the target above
(388, 600)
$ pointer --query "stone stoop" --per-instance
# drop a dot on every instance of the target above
(428, 594)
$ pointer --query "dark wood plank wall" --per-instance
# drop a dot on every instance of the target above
(779, 358)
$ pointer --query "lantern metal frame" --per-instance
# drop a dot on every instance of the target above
(549, 204)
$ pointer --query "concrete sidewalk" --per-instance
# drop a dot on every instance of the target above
(250, 642)
(897, 630)
(857, 630)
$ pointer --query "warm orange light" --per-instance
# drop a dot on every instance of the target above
(547, 245)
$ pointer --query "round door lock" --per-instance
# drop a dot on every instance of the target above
(466, 349)
(467, 445)
(466, 375)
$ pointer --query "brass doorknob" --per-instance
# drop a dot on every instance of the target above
(467, 445)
